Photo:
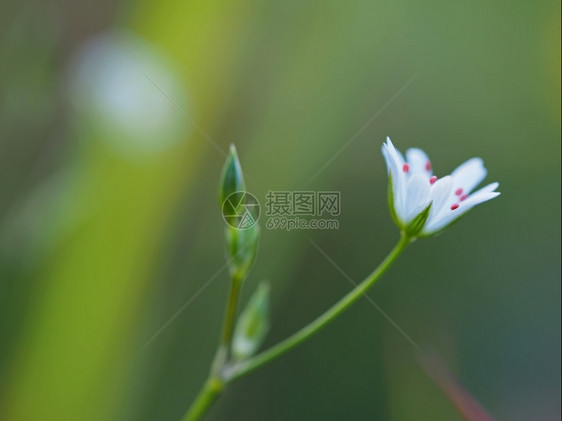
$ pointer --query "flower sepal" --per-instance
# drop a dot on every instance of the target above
(414, 228)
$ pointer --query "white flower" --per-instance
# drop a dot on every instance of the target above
(423, 204)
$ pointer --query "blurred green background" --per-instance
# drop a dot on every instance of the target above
(111, 120)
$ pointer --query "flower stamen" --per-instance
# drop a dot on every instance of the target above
(455, 206)
(432, 180)
(406, 168)
(458, 192)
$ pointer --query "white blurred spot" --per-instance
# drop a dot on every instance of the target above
(113, 87)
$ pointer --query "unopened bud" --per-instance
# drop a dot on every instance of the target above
(241, 250)
(252, 325)
(232, 179)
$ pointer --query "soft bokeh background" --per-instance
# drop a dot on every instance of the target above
(111, 120)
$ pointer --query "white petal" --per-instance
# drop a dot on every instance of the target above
(417, 196)
(477, 198)
(398, 186)
(419, 162)
(395, 152)
(489, 188)
(398, 178)
(468, 175)
(386, 158)
(439, 196)
(449, 215)
(400, 159)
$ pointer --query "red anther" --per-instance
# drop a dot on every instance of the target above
(406, 168)
(455, 206)
(433, 179)
(458, 192)
(428, 166)
(463, 197)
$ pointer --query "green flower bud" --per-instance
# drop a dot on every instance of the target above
(252, 325)
(232, 179)
(241, 250)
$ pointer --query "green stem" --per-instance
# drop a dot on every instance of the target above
(306, 332)
(205, 398)
(230, 316)
(215, 383)
(222, 373)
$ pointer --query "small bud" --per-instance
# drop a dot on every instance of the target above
(232, 179)
(252, 325)
(241, 250)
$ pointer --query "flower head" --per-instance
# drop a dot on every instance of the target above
(422, 204)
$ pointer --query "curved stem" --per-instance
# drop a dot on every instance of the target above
(236, 371)
(223, 373)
